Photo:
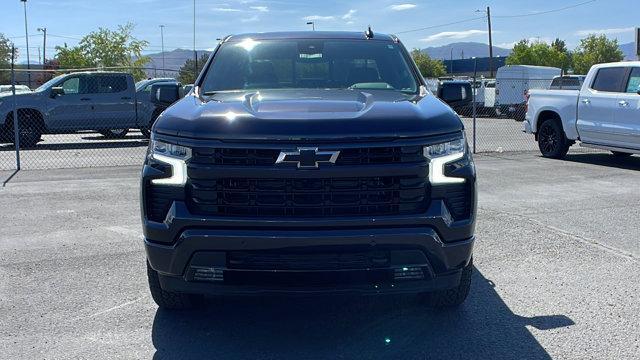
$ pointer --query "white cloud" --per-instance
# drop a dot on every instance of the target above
(349, 15)
(318, 17)
(400, 7)
(259, 8)
(226, 9)
(455, 35)
(604, 31)
(250, 19)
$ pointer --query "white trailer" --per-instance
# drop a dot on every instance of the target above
(514, 81)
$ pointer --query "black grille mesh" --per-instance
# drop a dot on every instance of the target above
(385, 195)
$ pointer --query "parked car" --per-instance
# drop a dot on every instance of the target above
(567, 82)
(145, 103)
(8, 89)
(106, 102)
(457, 94)
(512, 84)
(603, 114)
(335, 171)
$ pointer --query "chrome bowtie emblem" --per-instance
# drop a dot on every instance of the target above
(307, 157)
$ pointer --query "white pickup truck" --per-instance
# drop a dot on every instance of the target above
(603, 114)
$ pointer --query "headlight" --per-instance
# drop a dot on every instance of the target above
(174, 155)
(441, 154)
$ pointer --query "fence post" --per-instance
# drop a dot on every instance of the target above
(16, 129)
(473, 91)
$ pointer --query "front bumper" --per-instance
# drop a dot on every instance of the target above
(209, 250)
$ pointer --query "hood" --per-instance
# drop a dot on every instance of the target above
(307, 114)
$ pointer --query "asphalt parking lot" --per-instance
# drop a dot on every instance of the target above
(556, 276)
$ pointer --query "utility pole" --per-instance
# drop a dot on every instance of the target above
(44, 45)
(490, 42)
(26, 33)
(162, 42)
(451, 60)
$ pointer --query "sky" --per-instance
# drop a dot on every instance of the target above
(68, 20)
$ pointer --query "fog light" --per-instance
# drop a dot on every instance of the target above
(408, 273)
(207, 274)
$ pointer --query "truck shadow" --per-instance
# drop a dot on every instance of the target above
(351, 327)
(606, 159)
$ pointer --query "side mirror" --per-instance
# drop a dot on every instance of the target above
(56, 91)
(638, 91)
(165, 94)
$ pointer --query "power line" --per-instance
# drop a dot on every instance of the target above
(440, 25)
(547, 11)
(498, 16)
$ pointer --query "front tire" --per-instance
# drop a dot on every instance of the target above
(168, 299)
(551, 140)
(454, 297)
(114, 133)
(30, 135)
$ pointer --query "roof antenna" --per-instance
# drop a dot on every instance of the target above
(369, 33)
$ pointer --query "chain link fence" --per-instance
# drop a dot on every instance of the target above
(76, 118)
(92, 118)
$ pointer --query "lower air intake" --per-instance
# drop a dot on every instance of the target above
(408, 273)
(207, 274)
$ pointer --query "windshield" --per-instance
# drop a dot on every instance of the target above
(317, 64)
(49, 83)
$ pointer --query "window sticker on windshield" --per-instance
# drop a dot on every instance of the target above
(390, 46)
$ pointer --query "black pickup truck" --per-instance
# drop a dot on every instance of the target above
(308, 162)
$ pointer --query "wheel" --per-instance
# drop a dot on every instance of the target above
(455, 296)
(114, 133)
(168, 299)
(30, 134)
(619, 154)
(551, 140)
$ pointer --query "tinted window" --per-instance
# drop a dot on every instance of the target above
(105, 84)
(633, 86)
(557, 82)
(609, 79)
(571, 81)
(453, 92)
(324, 64)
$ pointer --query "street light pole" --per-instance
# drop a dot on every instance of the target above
(26, 33)
(44, 45)
(313, 25)
(195, 53)
(162, 42)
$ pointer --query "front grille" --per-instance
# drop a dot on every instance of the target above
(310, 261)
(381, 195)
(348, 156)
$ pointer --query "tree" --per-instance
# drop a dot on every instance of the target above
(187, 74)
(595, 49)
(5, 59)
(107, 48)
(540, 53)
(429, 68)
